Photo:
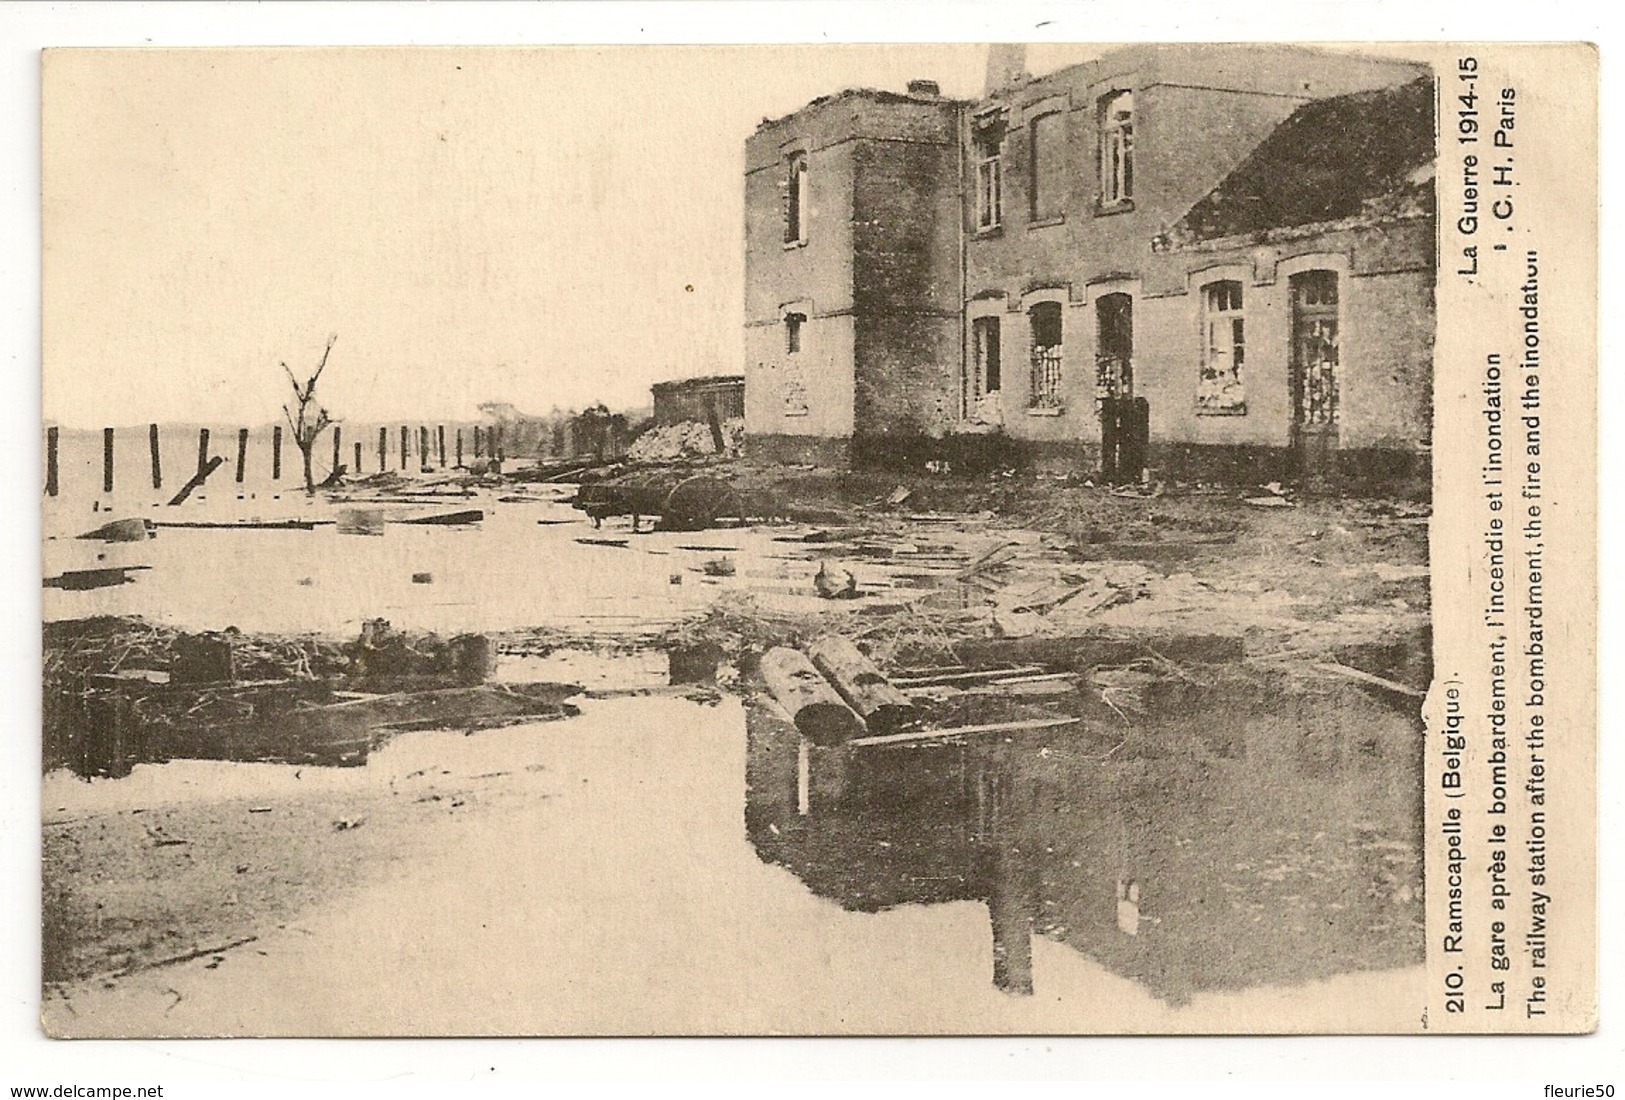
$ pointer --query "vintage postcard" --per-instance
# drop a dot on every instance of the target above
(819, 540)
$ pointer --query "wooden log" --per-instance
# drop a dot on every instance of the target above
(883, 708)
(51, 442)
(202, 450)
(107, 460)
(242, 453)
(808, 698)
(276, 453)
(157, 463)
(198, 478)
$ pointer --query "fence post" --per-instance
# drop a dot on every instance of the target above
(358, 460)
(157, 463)
(459, 448)
(440, 439)
(202, 449)
(242, 453)
(403, 446)
(337, 445)
(51, 485)
(383, 449)
(107, 460)
(276, 453)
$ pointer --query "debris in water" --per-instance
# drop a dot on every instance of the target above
(837, 583)
(123, 530)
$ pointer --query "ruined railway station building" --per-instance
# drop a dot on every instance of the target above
(1214, 262)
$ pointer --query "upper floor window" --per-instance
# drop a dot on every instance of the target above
(1046, 175)
(1224, 348)
(1116, 148)
(989, 182)
(795, 201)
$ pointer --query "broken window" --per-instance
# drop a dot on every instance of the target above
(795, 204)
(1045, 321)
(1116, 148)
(1114, 346)
(792, 332)
(1048, 153)
(989, 182)
(985, 332)
(1314, 348)
(1220, 389)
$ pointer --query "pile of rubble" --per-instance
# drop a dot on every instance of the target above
(689, 439)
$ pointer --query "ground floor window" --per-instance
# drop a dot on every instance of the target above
(985, 337)
(1220, 389)
(1045, 320)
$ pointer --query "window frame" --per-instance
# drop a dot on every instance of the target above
(798, 194)
(1116, 136)
(1222, 310)
(981, 381)
(989, 186)
(794, 322)
(1046, 362)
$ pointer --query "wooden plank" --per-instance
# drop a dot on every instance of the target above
(200, 477)
(979, 676)
(963, 731)
(1369, 678)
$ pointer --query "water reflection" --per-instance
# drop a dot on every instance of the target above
(1190, 836)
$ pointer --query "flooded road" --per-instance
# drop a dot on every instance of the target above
(646, 867)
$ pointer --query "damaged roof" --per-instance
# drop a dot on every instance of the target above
(1367, 155)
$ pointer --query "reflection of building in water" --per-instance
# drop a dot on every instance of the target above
(1224, 837)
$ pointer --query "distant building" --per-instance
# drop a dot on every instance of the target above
(1215, 260)
(695, 398)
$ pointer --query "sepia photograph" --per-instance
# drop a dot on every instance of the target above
(742, 540)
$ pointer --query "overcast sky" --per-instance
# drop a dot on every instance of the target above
(543, 226)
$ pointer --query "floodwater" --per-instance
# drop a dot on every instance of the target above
(522, 566)
(1219, 857)
(657, 865)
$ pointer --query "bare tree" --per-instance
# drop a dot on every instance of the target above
(308, 419)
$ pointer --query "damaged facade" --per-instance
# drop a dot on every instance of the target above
(1213, 261)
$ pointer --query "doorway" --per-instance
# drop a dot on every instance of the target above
(1124, 418)
(1315, 352)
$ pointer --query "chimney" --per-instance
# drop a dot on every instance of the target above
(1006, 65)
(924, 87)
